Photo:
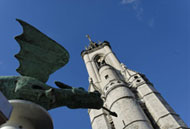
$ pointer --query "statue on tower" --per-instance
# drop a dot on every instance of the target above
(39, 57)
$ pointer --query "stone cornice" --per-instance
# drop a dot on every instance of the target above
(96, 47)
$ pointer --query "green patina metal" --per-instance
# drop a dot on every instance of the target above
(39, 57)
(47, 96)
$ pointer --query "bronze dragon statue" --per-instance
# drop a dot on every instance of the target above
(39, 57)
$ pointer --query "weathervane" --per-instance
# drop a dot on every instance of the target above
(89, 38)
(92, 44)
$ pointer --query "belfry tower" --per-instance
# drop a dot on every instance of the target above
(129, 94)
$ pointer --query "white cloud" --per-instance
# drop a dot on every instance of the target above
(127, 1)
(137, 7)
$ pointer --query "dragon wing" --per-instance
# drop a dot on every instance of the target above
(39, 55)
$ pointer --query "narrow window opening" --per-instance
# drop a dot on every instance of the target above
(111, 122)
(112, 125)
(106, 77)
(100, 61)
(123, 123)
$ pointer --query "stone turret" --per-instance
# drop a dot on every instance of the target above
(103, 68)
(127, 93)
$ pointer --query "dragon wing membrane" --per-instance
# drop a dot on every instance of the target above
(39, 55)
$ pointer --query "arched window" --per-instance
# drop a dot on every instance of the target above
(99, 60)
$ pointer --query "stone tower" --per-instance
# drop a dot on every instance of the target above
(129, 94)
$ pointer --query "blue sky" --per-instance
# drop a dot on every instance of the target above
(149, 36)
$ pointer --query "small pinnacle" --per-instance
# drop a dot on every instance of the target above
(88, 38)
(99, 42)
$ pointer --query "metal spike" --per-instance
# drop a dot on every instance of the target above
(88, 38)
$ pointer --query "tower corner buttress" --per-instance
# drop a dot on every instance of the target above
(126, 92)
